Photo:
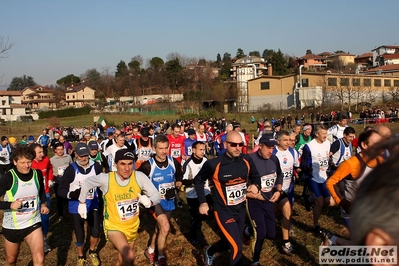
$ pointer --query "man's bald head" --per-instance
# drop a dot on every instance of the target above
(384, 131)
(233, 136)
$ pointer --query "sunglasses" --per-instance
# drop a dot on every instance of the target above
(234, 144)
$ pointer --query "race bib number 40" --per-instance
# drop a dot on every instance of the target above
(127, 209)
(236, 194)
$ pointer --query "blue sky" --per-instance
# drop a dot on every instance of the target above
(56, 38)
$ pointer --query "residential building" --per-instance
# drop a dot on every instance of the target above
(80, 96)
(381, 51)
(11, 107)
(364, 60)
(277, 92)
(384, 70)
(345, 58)
(244, 69)
(39, 97)
(313, 61)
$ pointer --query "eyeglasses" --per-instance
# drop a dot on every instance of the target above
(234, 144)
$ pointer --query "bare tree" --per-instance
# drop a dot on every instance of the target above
(5, 46)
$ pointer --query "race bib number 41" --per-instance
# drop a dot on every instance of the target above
(28, 206)
(236, 194)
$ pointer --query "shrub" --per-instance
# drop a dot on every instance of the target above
(65, 112)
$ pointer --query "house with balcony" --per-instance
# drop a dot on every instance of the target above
(385, 53)
(313, 61)
(244, 69)
(364, 60)
(38, 98)
(11, 107)
(79, 96)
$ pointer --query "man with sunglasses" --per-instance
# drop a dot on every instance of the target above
(230, 174)
(70, 186)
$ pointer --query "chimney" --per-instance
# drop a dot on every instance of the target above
(269, 70)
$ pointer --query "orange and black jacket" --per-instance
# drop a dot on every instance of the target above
(223, 172)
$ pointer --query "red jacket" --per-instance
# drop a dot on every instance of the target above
(47, 171)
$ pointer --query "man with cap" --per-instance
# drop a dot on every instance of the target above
(5, 156)
(276, 128)
(31, 140)
(144, 147)
(69, 188)
(97, 156)
(303, 138)
(261, 208)
(188, 142)
(123, 190)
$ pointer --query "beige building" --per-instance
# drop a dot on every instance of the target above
(80, 96)
(10, 105)
(345, 58)
(38, 97)
(277, 92)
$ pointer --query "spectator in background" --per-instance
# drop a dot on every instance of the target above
(24, 140)
(5, 156)
(44, 140)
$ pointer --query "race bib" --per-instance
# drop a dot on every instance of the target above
(236, 194)
(165, 187)
(267, 182)
(144, 154)
(287, 174)
(90, 195)
(28, 206)
(176, 153)
(127, 209)
(323, 164)
(189, 151)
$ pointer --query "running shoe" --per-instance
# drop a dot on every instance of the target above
(317, 230)
(160, 262)
(95, 261)
(208, 260)
(81, 262)
(47, 247)
(150, 256)
(327, 239)
(287, 248)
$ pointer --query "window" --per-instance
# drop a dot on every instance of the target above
(344, 81)
(73, 96)
(356, 82)
(377, 82)
(83, 96)
(3, 102)
(305, 82)
(387, 83)
(68, 97)
(332, 81)
(265, 85)
(367, 82)
(396, 82)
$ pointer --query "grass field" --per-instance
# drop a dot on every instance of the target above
(179, 250)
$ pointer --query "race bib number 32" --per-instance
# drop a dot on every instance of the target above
(236, 194)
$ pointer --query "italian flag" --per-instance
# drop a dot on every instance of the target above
(101, 121)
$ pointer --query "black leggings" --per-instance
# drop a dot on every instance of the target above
(232, 226)
(60, 201)
(93, 221)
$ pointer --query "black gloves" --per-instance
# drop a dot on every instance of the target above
(74, 194)
(170, 193)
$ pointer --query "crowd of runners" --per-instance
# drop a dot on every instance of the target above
(106, 176)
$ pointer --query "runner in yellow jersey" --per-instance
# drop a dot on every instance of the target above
(121, 194)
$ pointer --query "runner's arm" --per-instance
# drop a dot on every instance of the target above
(100, 181)
(343, 171)
(148, 188)
(5, 184)
(199, 181)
